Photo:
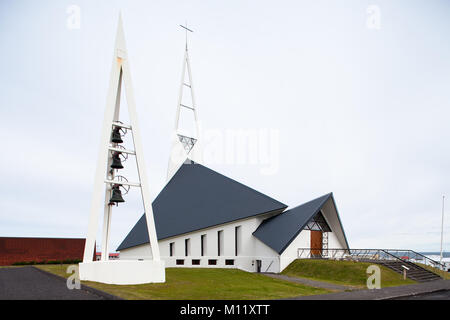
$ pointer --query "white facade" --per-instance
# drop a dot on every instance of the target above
(336, 238)
(249, 248)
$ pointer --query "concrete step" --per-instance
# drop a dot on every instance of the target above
(415, 272)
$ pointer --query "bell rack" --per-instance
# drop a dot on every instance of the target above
(122, 150)
(124, 183)
(121, 125)
(105, 179)
(131, 152)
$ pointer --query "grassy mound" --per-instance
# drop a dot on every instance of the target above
(341, 272)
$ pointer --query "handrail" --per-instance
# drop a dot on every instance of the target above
(375, 254)
(415, 254)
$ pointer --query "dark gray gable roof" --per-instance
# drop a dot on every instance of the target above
(279, 231)
(197, 198)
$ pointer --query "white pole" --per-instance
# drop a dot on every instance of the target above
(442, 228)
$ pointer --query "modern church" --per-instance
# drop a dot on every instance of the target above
(206, 220)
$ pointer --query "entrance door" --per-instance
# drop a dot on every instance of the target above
(316, 243)
(258, 266)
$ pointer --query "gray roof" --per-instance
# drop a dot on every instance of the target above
(196, 198)
(279, 231)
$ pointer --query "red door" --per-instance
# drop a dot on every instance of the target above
(316, 243)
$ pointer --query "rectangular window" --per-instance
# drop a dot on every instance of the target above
(229, 262)
(172, 249)
(212, 262)
(187, 247)
(195, 262)
(237, 240)
(180, 262)
(220, 242)
(203, 244)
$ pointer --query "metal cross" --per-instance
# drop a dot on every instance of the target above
(186, 29)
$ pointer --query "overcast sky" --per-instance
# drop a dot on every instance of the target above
(349, 97)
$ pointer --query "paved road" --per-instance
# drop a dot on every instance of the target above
(384, 293)
(28, 283)
(439, 295)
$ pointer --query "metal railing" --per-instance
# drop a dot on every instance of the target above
(368, 255)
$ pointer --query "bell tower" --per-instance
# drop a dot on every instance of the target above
(110, 187)
(186, 146)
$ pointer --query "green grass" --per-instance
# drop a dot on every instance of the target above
(348, 273)
(210, 284)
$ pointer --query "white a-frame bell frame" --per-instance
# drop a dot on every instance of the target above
(119, 271)
(185, 147)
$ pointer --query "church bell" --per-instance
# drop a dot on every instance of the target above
(116, 196)
(116, 137)
(116, 163)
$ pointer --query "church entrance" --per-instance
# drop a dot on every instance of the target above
(316, 243)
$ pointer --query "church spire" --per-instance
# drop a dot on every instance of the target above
(185, 146)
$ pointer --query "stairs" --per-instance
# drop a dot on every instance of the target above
(415, 272)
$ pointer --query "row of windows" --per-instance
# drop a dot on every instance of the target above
(220, 244)
(211, 262)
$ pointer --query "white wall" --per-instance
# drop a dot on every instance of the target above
(336, 238)
(303, 240)
(250, 249)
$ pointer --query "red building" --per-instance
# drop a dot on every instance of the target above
(13, 250)
(112, 256)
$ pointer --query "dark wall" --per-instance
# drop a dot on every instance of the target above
(40, 249)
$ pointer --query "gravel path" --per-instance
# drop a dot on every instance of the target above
(311, 283)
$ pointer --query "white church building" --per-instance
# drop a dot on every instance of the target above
(206, 220)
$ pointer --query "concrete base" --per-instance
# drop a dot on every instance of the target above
(123, 271)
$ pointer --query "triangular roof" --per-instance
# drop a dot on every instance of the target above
(279, 231)
(196, 198)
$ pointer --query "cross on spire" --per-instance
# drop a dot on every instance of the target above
(186, 30)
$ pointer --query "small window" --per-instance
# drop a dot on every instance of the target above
(229, 262)
(187, 247)
(219, 242)
(203, 244)
(212, 262)
(196, 262)
(237, 240)
(171, 248)
(180, 262)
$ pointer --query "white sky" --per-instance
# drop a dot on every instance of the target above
(360, 112)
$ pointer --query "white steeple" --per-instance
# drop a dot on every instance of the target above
(185, 146)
